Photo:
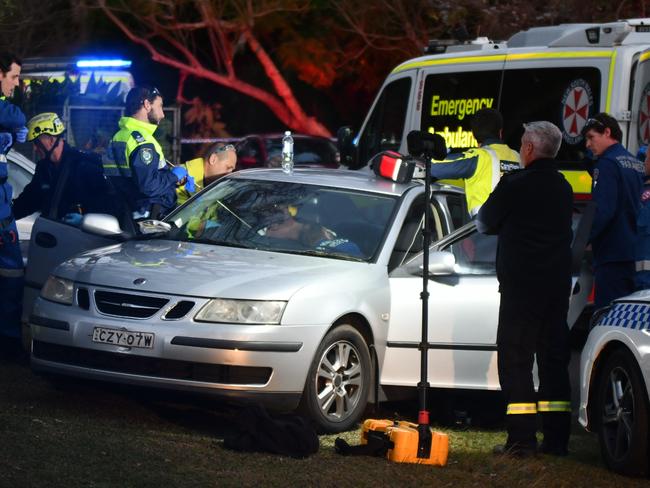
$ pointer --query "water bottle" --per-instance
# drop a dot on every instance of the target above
(287, 152)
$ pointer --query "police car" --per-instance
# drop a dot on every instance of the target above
(614, 383)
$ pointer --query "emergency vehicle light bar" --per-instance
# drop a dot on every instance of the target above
(103, 63)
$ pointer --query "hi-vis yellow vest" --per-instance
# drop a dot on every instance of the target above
(195, 169)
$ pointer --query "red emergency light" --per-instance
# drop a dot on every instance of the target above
(392, 166)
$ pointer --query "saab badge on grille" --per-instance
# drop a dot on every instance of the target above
(139, 281)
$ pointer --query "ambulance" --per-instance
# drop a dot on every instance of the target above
(563, 74)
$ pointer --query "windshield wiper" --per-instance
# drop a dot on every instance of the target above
(215, 242)
(322, 254)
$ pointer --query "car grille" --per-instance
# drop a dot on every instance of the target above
(125, 305)
(154, 367)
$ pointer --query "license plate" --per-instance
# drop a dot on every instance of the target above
(123, 337)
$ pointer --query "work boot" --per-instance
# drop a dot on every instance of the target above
(553, 450)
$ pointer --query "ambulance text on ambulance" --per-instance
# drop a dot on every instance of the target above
(459, 107)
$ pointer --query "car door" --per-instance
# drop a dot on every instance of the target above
(21, 171)
(53, 241)
(463, 313)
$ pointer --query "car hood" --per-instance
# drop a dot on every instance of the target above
(202, 270)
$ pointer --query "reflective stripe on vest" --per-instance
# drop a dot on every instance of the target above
(557, 406)
(521, 408)
(12, 272)
(114, 161)
(643, 265)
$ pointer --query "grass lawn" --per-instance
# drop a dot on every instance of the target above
(88, 435)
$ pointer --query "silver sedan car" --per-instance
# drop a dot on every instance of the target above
(295, 290)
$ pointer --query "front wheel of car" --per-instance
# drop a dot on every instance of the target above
(622, 404)
(336, 391)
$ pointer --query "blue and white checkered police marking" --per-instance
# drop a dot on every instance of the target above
(628, 315)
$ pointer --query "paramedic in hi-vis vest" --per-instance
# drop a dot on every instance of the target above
(136, 164)
(480, 167)
(219, 160)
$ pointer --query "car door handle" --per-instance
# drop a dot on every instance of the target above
(45, 239)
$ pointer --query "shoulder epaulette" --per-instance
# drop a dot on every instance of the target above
(138, 137)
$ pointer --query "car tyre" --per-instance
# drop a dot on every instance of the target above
(622, 403)
(338, 382)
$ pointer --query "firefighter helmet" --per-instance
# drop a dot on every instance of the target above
(45, 123)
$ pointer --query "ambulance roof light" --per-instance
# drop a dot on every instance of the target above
(103, 63)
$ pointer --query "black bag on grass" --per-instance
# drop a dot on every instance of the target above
(257, 431)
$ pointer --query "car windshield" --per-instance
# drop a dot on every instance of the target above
(306, 151)
(288, 217)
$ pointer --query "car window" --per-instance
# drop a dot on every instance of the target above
(18, 177)
(287, 217)
(248, 154)
(475, 254)
(457, 206)
(409, 241)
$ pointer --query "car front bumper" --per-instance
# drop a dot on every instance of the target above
(264, 363)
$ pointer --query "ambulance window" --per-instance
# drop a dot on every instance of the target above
(450, 99)
(386, 124)
(565, 96)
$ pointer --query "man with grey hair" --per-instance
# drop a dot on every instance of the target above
(531, 212)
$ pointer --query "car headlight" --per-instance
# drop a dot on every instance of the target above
(58, 290)
(241, 311)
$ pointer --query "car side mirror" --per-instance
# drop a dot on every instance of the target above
(441, 263)
(347, 149)
(101, 224)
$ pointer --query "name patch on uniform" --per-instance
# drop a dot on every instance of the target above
(147, 155)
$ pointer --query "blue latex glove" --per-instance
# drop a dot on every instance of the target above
(73, 219)
(641, 154)
(190, 186)
(21, 134)
(5, 142)
(179, 172)
(211, 224)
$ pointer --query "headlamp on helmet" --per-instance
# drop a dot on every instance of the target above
(45, 123)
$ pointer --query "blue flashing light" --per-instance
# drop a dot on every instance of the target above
(103, 63)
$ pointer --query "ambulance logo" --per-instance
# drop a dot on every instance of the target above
(577, 102)
(644, 116)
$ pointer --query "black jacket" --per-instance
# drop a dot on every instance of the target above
(85, 188)
(531, 211)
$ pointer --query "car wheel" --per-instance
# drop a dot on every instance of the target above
(336, 391)
(622, 404)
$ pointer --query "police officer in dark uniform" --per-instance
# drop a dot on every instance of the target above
(135, 162)
(617, 184)
(531, 211)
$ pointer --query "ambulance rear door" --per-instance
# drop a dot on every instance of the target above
(562, 85)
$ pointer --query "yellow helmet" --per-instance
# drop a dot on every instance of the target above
(45, 123)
